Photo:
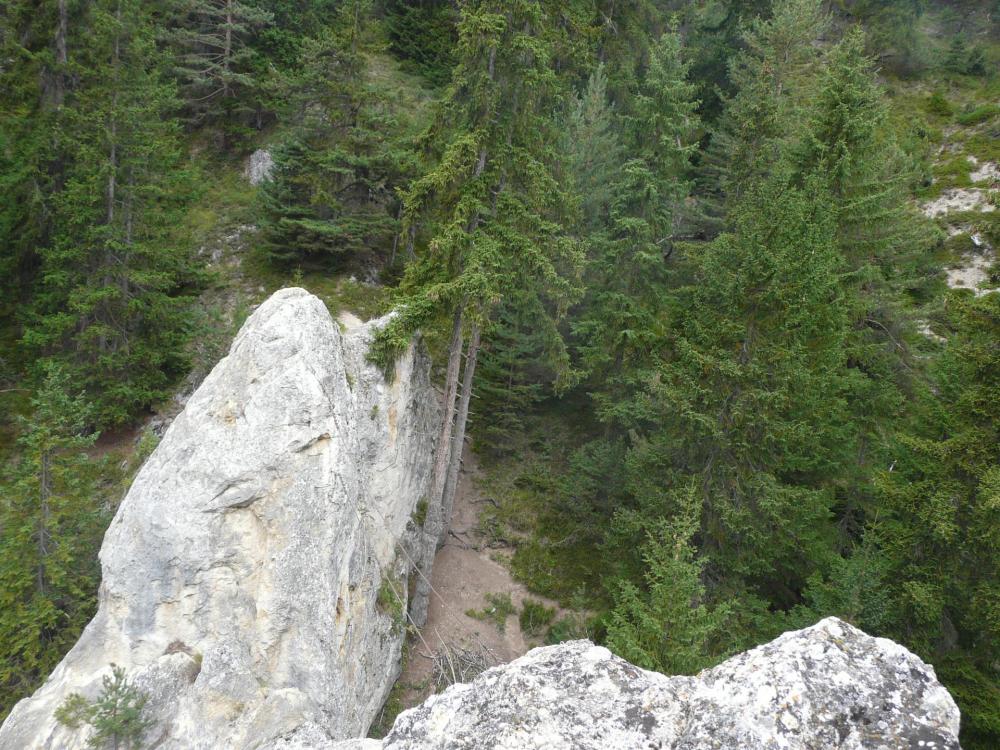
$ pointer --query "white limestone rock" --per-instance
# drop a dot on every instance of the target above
(958, 200)
(260, 165)
(828, 686)
(241, 574)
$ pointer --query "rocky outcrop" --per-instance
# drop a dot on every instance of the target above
(259, 167)
(958, 200)
(255, 576)
(828, 686)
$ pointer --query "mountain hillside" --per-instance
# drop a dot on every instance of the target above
(710, 289)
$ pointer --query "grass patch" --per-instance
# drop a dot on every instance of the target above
(230, 201)
(498, 608)
(389, 600)
(413, 100)
(979, 114)
(392, 708)
(337, 290)
(420, 513)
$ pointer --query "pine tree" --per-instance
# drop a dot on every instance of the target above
(490, 205)
(115, 717)
(50, 528)
(110, 303)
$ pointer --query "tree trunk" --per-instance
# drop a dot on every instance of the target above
(113, 122)
(433, 521)
(62, 55)
(458, 441)
(227, 50)
(44, 493)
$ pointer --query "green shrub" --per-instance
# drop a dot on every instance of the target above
(569, 628)
(535, 616)
(389, 600)
(420, 512)
(937, 104)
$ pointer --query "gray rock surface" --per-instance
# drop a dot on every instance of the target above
(828, 686)
(259, 167)
(248, 575)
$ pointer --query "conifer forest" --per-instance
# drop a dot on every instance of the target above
(711, 289)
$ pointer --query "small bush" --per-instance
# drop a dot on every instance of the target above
(937, 104)
(535, 616)
(569, 628)
(499, 608)
(116, 717)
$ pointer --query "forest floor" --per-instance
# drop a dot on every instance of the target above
(467, 569)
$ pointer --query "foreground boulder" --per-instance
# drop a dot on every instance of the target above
(255, 576)
(828, 686)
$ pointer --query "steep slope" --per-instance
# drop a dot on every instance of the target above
(252, 577)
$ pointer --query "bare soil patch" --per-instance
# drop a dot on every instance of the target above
(466, 570)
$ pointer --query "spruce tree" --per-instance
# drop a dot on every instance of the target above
(111, 299)
(39, 43)
(214, 58)
(773, 79)
(593, 152)
(938, 523)
(667, 626)
(881, 237)
(513, 373)
(628, 268)
(332, 192)
(746, 399)
(490, 206)
(848, 140)
(50, 529)
(423, 35)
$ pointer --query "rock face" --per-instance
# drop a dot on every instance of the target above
(259, 167)
(251, 575)
(828, 686)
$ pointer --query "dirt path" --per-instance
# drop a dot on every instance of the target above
(464, 573)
